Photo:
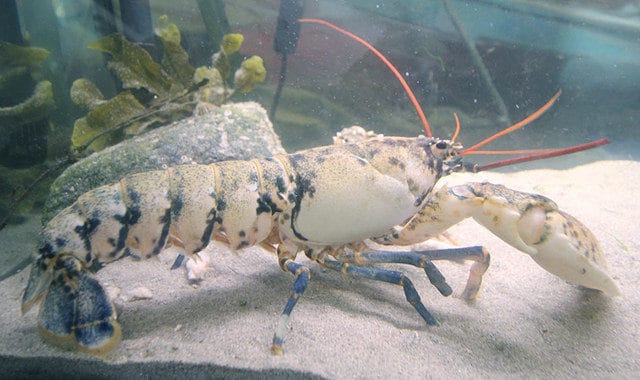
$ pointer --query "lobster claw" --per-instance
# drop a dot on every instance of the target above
(570, 251)
(555, 240)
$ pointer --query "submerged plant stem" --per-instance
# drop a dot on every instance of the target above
(477, 60)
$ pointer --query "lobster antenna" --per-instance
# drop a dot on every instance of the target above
(507, 152)
(517, 125)
(384, 59)
(457, 132)
(537, 154)
(544, 155)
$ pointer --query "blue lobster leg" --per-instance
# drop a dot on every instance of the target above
(423, 259)
(302, 275)
(384, 275)
(412, 258)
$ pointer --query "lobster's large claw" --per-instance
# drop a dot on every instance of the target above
(76, 312)
(531, 223)
(557, 241)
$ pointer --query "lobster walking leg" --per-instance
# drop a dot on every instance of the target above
(412, 258)
(423, 259)
(302, 274)
(378, 274)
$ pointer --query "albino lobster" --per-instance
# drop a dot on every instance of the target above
(326, 202)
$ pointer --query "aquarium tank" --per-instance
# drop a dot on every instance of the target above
(93, 91)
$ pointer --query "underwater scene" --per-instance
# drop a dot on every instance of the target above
(319, 188)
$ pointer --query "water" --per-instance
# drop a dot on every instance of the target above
(525, 52)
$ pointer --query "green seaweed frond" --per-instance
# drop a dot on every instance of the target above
(104, 117)
(16, 61)
(85, 94)
(214, 91)
(251, 72)
(178, 86)
(222, 60)
(12, 55)
(36, 107)
(175, 60)
(133, 65)
(231, 43)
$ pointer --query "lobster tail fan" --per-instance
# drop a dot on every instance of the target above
(95, 326)
(39, 281)
(76, 311)
(57, 311)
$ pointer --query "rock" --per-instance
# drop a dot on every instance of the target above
(232, 131)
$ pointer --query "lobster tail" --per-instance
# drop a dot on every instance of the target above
(76, 312)
(39, 281)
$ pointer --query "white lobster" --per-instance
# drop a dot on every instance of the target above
(327, 202)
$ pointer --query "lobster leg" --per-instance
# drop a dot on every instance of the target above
(378, 274)
(423, 259)
(302, 274)
(531, 223)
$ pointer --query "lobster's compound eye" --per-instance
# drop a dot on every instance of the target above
(440, 149)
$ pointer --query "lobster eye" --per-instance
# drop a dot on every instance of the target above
(441, 145)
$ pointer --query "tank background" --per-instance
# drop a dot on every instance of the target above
(529, 59)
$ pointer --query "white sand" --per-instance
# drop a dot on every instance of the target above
(525, 323)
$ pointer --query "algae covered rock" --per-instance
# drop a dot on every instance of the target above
(232, 131)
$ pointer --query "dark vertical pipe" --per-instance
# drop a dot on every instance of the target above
(137, 24)
(215, 20)
(10, 23)
(288, 26)
(104, 17)
(285, 43)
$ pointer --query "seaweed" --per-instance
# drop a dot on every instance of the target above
(103, 115)
(36, 107)
(175, 60)
(251, 71)
(133, 65)
(230, 44)
(17, 63)
(177, 88)
(12, 55)
(26, 102)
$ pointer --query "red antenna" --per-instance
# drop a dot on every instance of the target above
(534, 154)
(384, 59)
(543, 155)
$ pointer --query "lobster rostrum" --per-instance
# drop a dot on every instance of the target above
(328, 202)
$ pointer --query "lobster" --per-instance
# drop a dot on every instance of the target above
(301, 202)
(329, 202)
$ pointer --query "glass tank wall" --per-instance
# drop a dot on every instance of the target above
(79, 77)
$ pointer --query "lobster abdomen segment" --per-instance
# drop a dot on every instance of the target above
(232, 201)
